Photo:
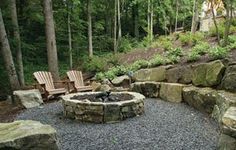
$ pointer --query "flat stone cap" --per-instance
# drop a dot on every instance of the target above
(9, 132)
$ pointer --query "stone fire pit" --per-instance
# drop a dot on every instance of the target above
(103, 107)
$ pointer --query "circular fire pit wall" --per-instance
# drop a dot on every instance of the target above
(101, 107)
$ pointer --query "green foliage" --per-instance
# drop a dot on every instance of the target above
(95, 64)
(218, 52)
(163, 41)
(193, 56)
(125, 44)
(174, 54)
(221, 29)
(191, 39)
(201, 48)
(232, 42)
(138, 65)
(157, 60)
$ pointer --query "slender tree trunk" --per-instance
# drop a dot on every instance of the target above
(151, 21)
(115, 27)
(136, 20)
(228, 6)
(7, 56)
(90, 36)
(215, 23)
(195, 17)
(19, 59)
(51, 39)
(148, 18)
(69, 33)
(119, 23)
(176, 15)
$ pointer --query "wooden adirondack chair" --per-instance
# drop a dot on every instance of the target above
(76, 78)
(45, 80)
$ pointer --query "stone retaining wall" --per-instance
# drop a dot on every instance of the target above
(214, 74)
(219, 104)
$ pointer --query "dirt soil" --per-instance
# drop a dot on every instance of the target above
(8, 111)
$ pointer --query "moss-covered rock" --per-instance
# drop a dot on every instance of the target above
(229, 79)
(203, 99)
(27, 134)
(181, 74)
(229, 122)
(149, 89)
(153, 74)
(208, 74)
(171, 92)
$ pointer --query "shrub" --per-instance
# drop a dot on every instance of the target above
(95, 64)
(201, 48)
(191, 39)
(157, 61)
(221, 29)
(174, 54)
(126, 44)
(193, 56)
(218, 52)
(138, 65)
(164, 42)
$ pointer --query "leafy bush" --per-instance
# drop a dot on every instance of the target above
(221, 29)
(138, 65)
(193, 56)
(174, 54)
(95, 64)
(191, 39)
(157, 61)
(218, 52)
(125, 44)
(201, 48)
(164, 42)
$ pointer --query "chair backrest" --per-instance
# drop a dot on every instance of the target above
(44, 77)
(76, 77)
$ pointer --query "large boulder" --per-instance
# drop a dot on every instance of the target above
(152, 74)
(171, 92)
(179, 75)
(226, 143)
(208, 74)
(224, 100)
(28, 98)
(27, 135)
(229, 80)
(229, 122)
(123, 81)
(203, 99)
(149, 89)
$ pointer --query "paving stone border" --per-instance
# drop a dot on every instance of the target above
(102, 112)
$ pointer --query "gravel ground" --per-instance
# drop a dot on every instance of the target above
(164, 126)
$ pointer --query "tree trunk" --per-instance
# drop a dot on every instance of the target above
(7, 56)
(19, 60)
(176, 15)
(69, 33)
(51, 39)
(215, 23)
(148, 18)
(135, 14)
(195, 17)
(115, 26)
(119, 23)
(90, 36)
(228, 6)
(151, 21)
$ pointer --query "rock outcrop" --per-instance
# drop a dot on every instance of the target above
(208, 74)
(27, 135)
(171, 92)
